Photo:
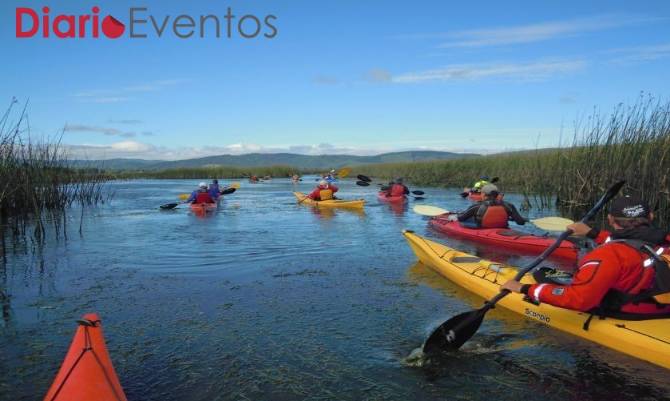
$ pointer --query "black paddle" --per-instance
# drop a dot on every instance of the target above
(493, 181)
(453, 333)
(363, 178)
(363, 183)
(169, 206)
(228, 191)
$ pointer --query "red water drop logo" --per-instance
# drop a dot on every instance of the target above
(112, 28)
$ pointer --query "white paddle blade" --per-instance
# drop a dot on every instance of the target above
(427, 210)
(552, 223)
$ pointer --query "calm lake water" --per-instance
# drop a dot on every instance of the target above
(268, 300)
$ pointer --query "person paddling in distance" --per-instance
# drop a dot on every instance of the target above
(396, 188)
(477, 187)
(324, 191)
(214, 190)
(622, 275)
(200, 195)
(490, 212)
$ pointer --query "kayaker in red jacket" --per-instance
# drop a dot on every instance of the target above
(491, 212)
(615, 271)
(396, 188)
(324, 191)
(200, 195)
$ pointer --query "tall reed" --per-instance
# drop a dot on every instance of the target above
(36, 182)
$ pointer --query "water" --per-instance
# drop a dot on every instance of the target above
(267, 300)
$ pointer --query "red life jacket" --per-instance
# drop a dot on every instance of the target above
(203, 197)
(397, 190)
(492, 215)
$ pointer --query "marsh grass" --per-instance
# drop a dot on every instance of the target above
(36, 183)
(225, 172)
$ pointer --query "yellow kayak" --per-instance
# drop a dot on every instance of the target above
(648, 340)
(346, 204)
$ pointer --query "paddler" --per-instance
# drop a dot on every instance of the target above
(201, 195)
(617, 276)
(396, 188)
(214, 190)
(325, 191)
(490, 212)
(330, 177)
(477, 187)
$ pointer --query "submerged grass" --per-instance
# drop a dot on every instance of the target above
(631, 143)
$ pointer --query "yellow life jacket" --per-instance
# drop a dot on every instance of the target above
(326, 194)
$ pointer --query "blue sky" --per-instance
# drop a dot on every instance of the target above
(340, 76)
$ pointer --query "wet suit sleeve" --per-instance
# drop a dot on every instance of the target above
(192, 197)
(514, 214)
(333, 188)
(597, 274)
(469, 213)
(314, 194)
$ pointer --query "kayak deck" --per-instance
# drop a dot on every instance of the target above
(339, 203)
(648, 340)
(87, 373)
(506, 238)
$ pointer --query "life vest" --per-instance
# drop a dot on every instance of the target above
(397, 190)
(203, 197)
(326, 194)
(652, 287)
(492, 214)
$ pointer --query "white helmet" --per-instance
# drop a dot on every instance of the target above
(323, 183)
(203, 185)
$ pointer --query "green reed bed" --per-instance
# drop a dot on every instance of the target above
(36, 183)
(632, 143)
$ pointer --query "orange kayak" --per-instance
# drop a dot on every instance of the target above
(202, 208)
(87, 373)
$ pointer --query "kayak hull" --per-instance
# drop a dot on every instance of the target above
(203, 208)
(648, 340)
(390, 199)
(87, 373)
(505, 238)
(335, 203)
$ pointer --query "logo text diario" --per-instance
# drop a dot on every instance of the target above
(141, 24)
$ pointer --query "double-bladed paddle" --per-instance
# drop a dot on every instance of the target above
(453, 333)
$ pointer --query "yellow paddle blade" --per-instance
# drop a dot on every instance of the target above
(552, 223)
(235, 185)
(427, 210)
(184, 196)
(343, 173)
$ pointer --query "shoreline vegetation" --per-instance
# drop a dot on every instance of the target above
(632, 143)
(37, 184)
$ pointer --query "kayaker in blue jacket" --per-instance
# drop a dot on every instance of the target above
(214, 189)
(201, 195)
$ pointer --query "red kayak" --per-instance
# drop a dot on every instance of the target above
(202, 208)
(506, 238)
(478, 196)
(382, 196)
(87, 373)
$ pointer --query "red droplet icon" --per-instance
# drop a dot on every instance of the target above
(112, 27)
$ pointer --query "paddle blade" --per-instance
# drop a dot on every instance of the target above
(169, 206)
(430, 211)
(235, 185)
(363, 178)
(495, 179)
(228, 191)
(552, 223)
(184, 196)
(363, 183)
(418, 192)
(453, 333)
(343, 173)
(419, 198)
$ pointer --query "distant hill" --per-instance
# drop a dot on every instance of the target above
(273, 159)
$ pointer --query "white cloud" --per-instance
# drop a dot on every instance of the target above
(101, 130)
(640, 53)
(463, 72)
(123, 94)
(536, 32)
